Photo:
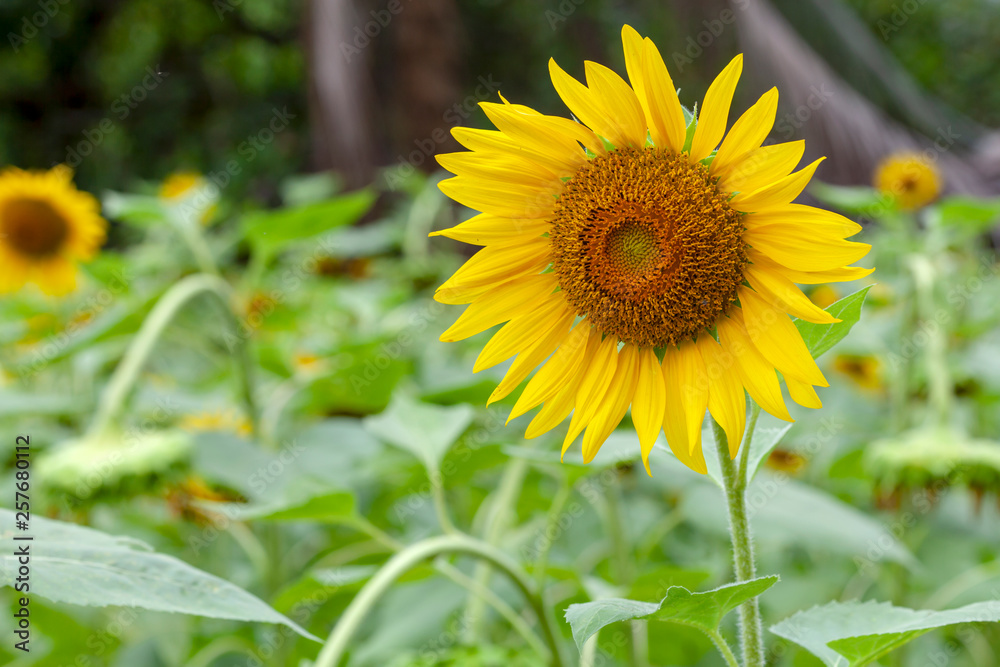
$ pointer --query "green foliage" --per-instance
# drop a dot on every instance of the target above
(861, 632)
(819, 338)
(704, 611)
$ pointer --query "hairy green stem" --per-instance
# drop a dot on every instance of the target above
(126, 374)
(751, 633)
(335, 647)
(723, 647)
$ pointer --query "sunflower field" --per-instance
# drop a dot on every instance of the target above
(414, 333)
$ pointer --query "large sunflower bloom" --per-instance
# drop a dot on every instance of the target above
(639, 266)
(46, 227)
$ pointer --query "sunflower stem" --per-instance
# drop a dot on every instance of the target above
(127, 372)
(735, 480)
(336, 645)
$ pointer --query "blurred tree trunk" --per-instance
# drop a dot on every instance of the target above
(340, 91)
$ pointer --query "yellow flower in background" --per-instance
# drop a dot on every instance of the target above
(910, 178)
(226, 421)
(824, 295)
(865, 370)
(47, 226)
(189, 189)
(616, 250)
(179, 184)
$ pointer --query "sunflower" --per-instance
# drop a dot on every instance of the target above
(636, 261)
(46, 227)
(180, 183)
(910, 178)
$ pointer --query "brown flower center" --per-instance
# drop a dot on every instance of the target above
(646, 246)
(32, 227)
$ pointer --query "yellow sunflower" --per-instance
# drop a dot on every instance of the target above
(637, 263)
(910, 178)
(46, 227)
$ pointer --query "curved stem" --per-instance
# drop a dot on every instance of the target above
(189, 229)
(751, 633)
(723, 646)
(744, 473)
(399, 564)
(127, 372)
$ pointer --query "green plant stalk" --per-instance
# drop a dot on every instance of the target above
(496, 523)
(751, 632)
(925, 275)
(336, 645)
(126, 374)
(552, 521)
(723, 647)
(474, 587)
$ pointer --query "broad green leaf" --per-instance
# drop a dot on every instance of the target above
(269, 231)
(81, 566)
(852, 199)
(137, 210)
(587, 618)
(426, 431)
(335, 507)
(969, 213)
(704, 611)
(855, 633)
(821, 337)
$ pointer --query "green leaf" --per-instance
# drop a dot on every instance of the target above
(704, 611)
(856, 633)
(969, 213)
(819, 338)
(334, 507)
(137, 210)
(81, 566)
(852, 199)
(269, 231)
(426, 431)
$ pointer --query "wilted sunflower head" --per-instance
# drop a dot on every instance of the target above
(910, 178)
(46, 227)
(639, 259)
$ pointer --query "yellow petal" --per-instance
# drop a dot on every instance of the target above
(493, 142)
(497, 264)
(748, 133)
(648, 403)
(815, 220)
(756, 374)
(686, 387)
(520, 333)
(590, 108)
(598, 371)
(615, 403)
(773, 333)
(664, 115)
(782, 191)
(620, 105)
(551, 377)
(840, 274)
(559, 138)
(486, 229)
(505, 169)
(714, 113)
(552, 333)
(500, 304)
(760, 167)
(557, 408)
(726, 400)
(791, 245)
(803, 393)
(512, 200)
(782, 291)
